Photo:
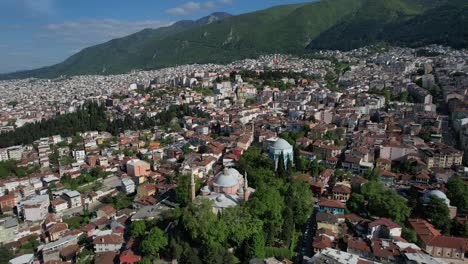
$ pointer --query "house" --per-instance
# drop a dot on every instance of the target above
(35, 208)
(436, 244)
(128, 185)
(73, 198)
(326, 220)
(8, 229)
(341, 192)
(59, 205)
(107, 243)
(105, 257)
(7, 202)
(332, 206)
(129, 257)
(69, 253)
(383, 228)
(388, 178)
(89, 229)
(106, 211)
(137, 168)
(51, 251)
(55, 231)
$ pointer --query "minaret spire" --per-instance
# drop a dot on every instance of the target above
(246, 188)
(192, 186)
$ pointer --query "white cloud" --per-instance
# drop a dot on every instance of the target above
(191, 7)
(93, 31)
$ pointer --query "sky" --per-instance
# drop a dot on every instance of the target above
(36, 33)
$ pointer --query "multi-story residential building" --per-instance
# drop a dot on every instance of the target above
(137, 168)
(396, 151)
(79, 154)
(73, 198)
(128, 185)
(8, 229)
(325, 151)
(34, 209)
(3, 154)
(15, 153)
(440, 155)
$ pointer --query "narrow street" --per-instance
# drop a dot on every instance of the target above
(305, 245)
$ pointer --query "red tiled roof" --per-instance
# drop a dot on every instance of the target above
(108, 239)
(340, 188)
(331, 203)
(385, 222)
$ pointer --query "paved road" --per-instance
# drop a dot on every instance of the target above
(305, 245)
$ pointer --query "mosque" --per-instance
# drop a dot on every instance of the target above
(425, 199)
(228, 189)
(281, 147)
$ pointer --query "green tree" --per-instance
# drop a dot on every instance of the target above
(437, 212)
(409, 235)
(315, 168)
(356, 202)
(372, 175)
(459, 229)
(154, 242)
(202, 225)
(138, 228)
(256, 246)
(300, 201)
(457, 192)
(240, 224)
(183, 190)
(267, 204)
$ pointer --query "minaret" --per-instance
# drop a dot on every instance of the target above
(246, 188)
(192, 185)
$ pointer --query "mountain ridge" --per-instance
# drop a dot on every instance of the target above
(296, 29)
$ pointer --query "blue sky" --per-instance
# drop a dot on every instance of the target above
(37, 33)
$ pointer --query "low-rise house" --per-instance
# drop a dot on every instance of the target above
(326, 220)
(55, 231)
(332, 206)
(59, 205)
(9, 229)
(383, 228)
(7, 202)
(106, 211)
(341, 192)
(107, 243)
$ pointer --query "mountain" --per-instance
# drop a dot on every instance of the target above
(296, 28)
(117, 55)
(410, 23)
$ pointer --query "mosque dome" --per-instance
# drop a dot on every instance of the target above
(281, 144)
(436, 193)
(228, 178)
